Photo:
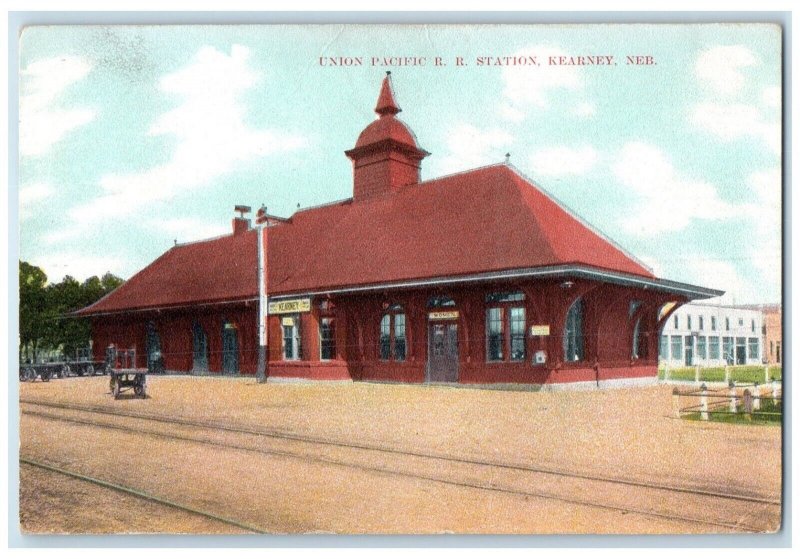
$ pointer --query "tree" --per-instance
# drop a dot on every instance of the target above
(32, 308)
(46, 320)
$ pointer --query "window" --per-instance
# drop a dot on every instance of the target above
(677, 347)
(688, 322)
(700, 321)
(741, 322)
(714, 323)
(713, 347)
(327, 338)
(292, 349)
(701, 347)
(753, 325)
(663, 348)
(727, 348)
(505, 327)
(752, 348)
(573, 333)
(676, 322)
(727, 323)
(771, 349)
(639, 346)
(392, 346)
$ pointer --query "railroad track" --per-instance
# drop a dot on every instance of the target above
(359, 463)
(141, 495)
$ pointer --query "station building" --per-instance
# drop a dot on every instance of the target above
(478, 277)
(713, 335)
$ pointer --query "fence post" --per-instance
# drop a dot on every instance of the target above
(766, 374)
(697, 373)
(676, 403)
(774, 391)
(666, 370)
(748, 404)
(756, 396)
(703, 402)
(732, 394)
(727, 374)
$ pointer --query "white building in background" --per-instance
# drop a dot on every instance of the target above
(712, 335)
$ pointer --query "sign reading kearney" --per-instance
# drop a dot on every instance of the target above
(291, 306)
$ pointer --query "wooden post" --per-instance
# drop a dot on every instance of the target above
(703, 402)
(697, 373)
(727, 374)
(774, 392)
(666, 370)
(757, 396)
(748, 404)
(766, 374)
(676, 403)
(732, 394)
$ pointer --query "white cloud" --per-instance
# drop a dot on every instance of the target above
(720, 274)
(31, 195)
(764, 249)
(80, 266)
(469, 147)
(771, 97)
(719, 68)
(663, 199)
(585, 110)
(210, 130)
(42, 122)
(562, 160)
(734, 121)
(186, 229)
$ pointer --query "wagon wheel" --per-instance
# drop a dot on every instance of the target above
(30, 374)
(45, 376)
(139, 390)
(23, 375)
(90, 370)
(115, 387)
(65, 370)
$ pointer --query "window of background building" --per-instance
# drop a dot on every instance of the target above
(741, 322)
(688, 322)
(701, 347)
(676, 322)
(713, 347)
(752, 325)
(292, 348)
(573, 333)
(727, 348)
(677, 347)
(663, 348)
(714, 323)
(752, 348)
(505, 327)
(700, 322)
(727, 323)
(393, 334)
(327, 338)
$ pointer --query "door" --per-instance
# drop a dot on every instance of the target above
(741, 355)
(443, 352)
(689, 352)
(230, 349)
(199, 349)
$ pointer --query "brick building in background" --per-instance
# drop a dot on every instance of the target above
(478, 277)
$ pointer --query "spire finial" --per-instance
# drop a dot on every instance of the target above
(508, 157)
(386, 103)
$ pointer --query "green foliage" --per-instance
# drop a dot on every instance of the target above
(738, 373)
(46, 323)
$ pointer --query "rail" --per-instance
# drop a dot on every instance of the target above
(739, 400)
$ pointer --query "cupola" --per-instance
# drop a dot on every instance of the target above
(386, 155)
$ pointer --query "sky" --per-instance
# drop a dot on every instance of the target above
(134, 137)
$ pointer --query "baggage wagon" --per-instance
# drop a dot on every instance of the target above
(123, 374)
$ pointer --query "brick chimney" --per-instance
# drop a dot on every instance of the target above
(241, 224)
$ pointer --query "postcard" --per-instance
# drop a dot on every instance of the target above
(400, 279)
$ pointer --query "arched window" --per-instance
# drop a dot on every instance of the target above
(393, 334)
(636, 342)
(573, 333)
(155, 360)
(199, 348)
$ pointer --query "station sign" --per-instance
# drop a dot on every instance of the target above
(287, 321)
(540, 330)
(443, 315)
(290, 306)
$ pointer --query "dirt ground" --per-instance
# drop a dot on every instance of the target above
(625, 433)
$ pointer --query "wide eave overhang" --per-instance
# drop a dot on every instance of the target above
(568, 271)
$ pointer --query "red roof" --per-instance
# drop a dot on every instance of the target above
(488, 219)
